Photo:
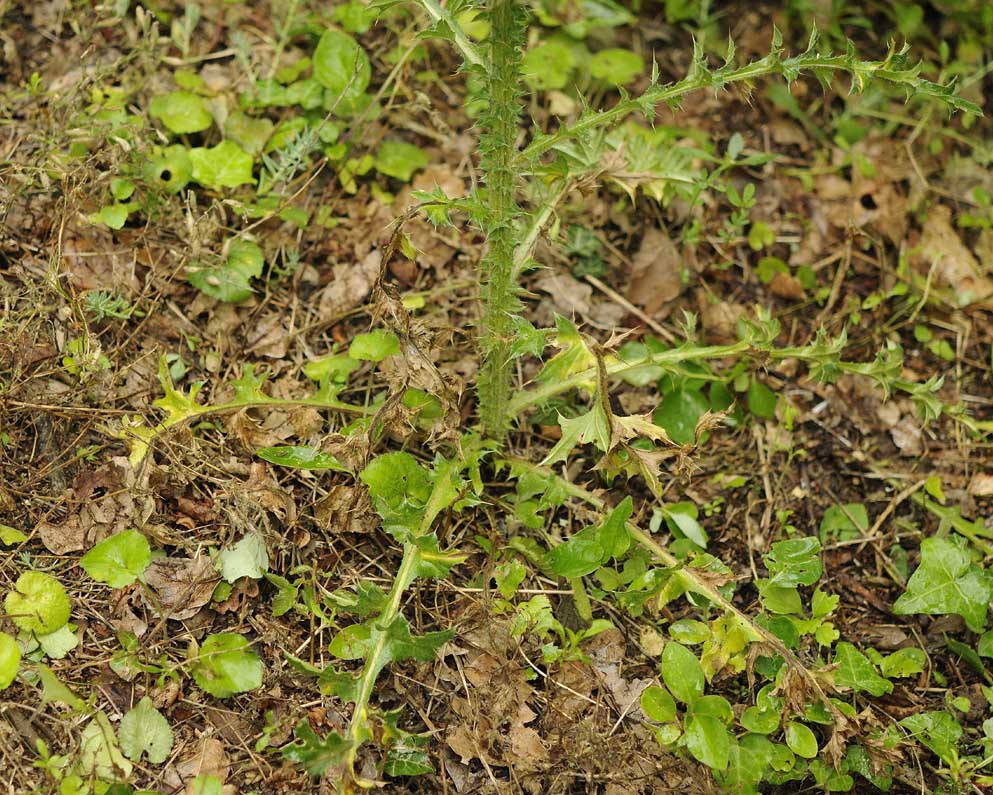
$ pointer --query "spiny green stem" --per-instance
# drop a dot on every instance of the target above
(772, 64)
(466, 47)
(543, 392)
(498, 144)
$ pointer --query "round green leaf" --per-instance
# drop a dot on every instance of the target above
(171, 171)
(708, 740)
(761, 400)
(714, 706)
(10, 659)
(181, 112)
(118, 560)
(548, 65)
(341, 66)
(226, 666)
(690, 632)
(678, 414)
(400, 160)
(801, 740)
(617, 66)
(682, 673)
(760, 721)
(657, 704)
(226, 165)
(144, 730)
(38, 603)
(374, 346)
(113, 216)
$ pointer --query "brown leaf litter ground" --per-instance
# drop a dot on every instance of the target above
(499, 719)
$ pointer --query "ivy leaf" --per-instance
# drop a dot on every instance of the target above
(181, 112)
(342, 66)
(144, 730)
(407, 762)
(707, 738)
(939, 731)
(400, 160)
(119, 560)
(844, 523)
(903, 662)
(10, 660)
(682, 673)
(317, 756)
(248, 558)
(226, 665)
(947, 581)
(793, 562)
(855, 671)
(38, 603)
(226, 165)
(300, 458)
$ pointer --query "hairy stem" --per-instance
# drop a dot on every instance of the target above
(498, 145)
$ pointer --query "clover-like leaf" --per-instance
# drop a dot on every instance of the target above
(118, 560)
(144, 730)
(947, 581)
(38, 603)
(226, 165)
(10, 660)
(248, 558)
(181, 112)
(226, 665)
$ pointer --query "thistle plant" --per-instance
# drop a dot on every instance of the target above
(628, 564)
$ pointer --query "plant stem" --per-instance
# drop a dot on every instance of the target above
(498, 146)
(466, 47)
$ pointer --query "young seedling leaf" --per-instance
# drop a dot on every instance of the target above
(10, 536)
(38, 603)
(144, 730)
(226, 665)
(247, 558)
(801, 740)
(658, 704)
(119, 560)
(617, 66)
(947, 581)
(226, 165)
(374, 346)
(182, 112)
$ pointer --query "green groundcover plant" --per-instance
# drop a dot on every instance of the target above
(800, 723)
